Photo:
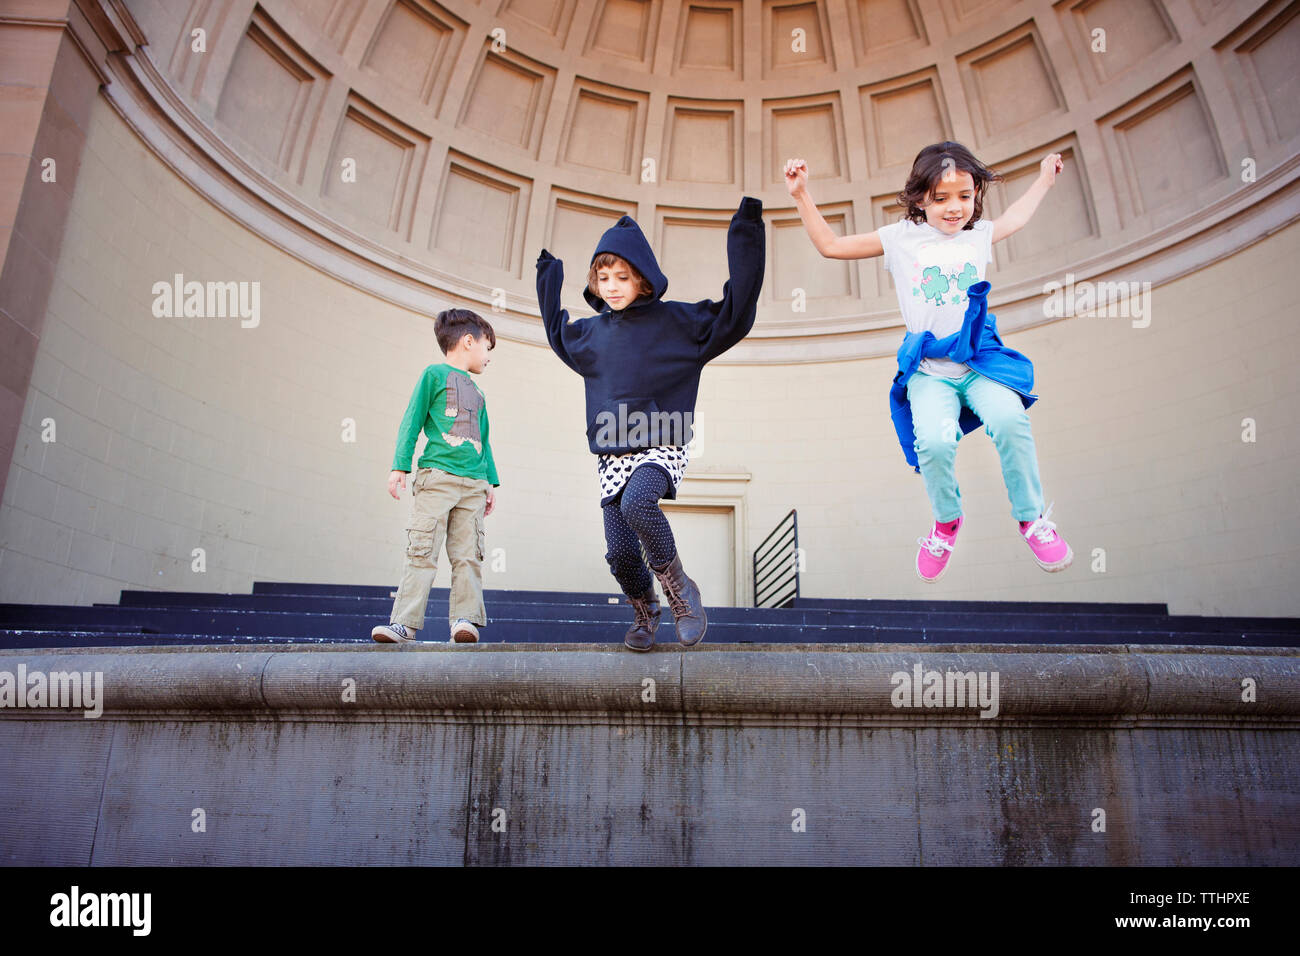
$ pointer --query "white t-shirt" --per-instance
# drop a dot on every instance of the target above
(932, 272)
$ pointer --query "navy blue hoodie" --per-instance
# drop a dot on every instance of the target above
(644, 362)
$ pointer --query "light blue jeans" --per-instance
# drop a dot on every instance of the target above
(936, 404)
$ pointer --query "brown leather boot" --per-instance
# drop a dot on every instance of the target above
(685, 601)
(641, 636)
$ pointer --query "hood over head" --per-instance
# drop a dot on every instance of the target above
(625, 240)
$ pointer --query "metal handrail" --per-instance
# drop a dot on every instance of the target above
(776, 566)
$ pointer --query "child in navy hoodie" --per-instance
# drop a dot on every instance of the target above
(640, 358)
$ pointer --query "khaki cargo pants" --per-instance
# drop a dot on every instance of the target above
(446, 507)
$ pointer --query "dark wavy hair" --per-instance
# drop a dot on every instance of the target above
(451, 324)
(928, 170)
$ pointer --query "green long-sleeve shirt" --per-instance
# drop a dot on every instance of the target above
(451, 411)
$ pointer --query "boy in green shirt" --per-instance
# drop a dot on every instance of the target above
(453, 486)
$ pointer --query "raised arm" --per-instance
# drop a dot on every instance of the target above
(562, 336)
(1019, 212)
(862, 245)
(728, 320)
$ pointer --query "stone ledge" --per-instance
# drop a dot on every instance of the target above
(1125, 683)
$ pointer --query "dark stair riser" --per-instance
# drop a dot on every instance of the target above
(230, 617)
(595, 632)
(598, 597)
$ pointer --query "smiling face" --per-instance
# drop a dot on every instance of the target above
(951, 202)
(618, 284)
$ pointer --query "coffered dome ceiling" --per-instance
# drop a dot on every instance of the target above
(426, 150)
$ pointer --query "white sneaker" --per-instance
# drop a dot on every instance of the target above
(393, 633)
(463, 632)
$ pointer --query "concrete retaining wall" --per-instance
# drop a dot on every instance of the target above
(586, 754)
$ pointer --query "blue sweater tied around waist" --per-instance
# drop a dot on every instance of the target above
(976, 344)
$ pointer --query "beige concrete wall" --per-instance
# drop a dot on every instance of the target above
(175, 434)
(48, 80)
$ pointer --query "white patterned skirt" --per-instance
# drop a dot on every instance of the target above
(615, 470)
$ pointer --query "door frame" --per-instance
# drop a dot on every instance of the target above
(725, 490)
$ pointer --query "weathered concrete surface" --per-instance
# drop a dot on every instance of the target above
(740, 755)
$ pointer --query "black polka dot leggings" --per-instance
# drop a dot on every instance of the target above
(633, 520)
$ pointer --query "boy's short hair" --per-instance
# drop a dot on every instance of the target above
(928, 170)
(605, 260)
(452, 324)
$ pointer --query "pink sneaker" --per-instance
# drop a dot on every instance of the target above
(1050, 550)
(932, 558)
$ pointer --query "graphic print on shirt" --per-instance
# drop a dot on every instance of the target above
(945, 269)
(464, 402)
